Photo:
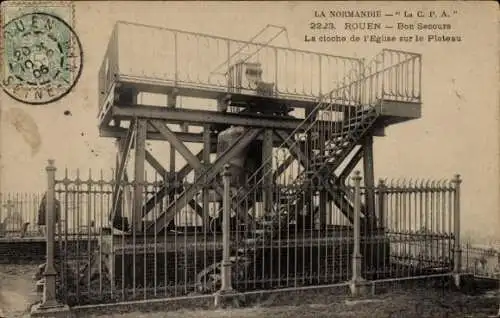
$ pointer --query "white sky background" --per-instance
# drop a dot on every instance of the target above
(458, 132)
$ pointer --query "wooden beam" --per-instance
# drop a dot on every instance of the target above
(153, 134)
(202, 117)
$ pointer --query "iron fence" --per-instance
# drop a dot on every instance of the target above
(19, 214)
(233, 245)
(482, 262)
(420, 220)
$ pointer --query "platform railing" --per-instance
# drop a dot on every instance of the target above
(393, 75)
(157, 55)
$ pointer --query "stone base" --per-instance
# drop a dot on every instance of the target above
(360, 288)
(53, 311)
(461, 278)
(457, 280)
(224, 299)
(40, 284)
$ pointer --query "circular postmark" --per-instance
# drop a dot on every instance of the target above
(42, 58)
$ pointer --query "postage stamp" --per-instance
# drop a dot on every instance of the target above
(41, 55)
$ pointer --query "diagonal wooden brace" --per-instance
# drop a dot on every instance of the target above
(156, 165)
(177, 143)
(193, 160)
(124, 147)
(209, 175)
(163, 172)
(165, 189)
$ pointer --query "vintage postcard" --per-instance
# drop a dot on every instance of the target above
(237, 154)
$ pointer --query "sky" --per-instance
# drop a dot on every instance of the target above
(458, 131)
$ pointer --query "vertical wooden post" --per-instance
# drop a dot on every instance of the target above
(457, 248)
(369, 181)
(171, 103)
(226, 252)
(381, 203)
(140, 158)
(206, 188)
(267, 174)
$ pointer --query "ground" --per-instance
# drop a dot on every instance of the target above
(17, 293)
(17, 289)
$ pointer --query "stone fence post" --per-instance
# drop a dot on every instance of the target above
(226, 253)
(457, 247)
(357, 284)
(49, 305)
(224, 294)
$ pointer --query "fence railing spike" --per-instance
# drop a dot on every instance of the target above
(390, 182)
(442, 183)
(410, 183)
(398, 182)
(406, 182)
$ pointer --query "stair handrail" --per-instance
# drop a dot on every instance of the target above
(366, 73)
(323, 99)
(372, 100)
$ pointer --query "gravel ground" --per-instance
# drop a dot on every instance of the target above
(17, 293)
(417, 304)
(17, 289)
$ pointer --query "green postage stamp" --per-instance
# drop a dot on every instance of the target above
(41, 54)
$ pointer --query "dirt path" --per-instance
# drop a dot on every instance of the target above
(17, 290)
